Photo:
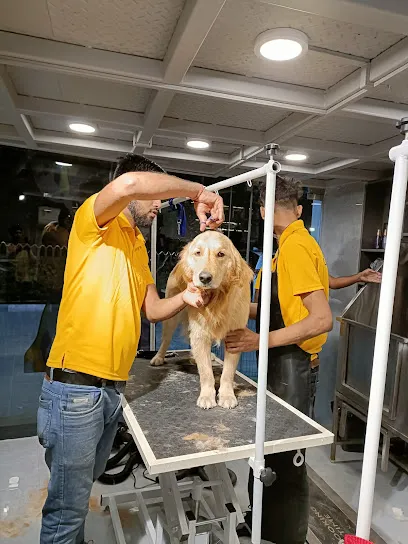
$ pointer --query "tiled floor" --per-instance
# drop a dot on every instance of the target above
(23, 480)
(390, 512)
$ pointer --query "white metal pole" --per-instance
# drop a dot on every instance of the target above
(259, 460)
(229, 213)
(398, 154)
(230, 182)
(153, 268)
(248, 246)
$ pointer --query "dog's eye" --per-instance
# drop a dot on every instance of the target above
(197, 253)
(220, 254)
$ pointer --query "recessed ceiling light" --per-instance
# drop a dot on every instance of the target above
(296, 157)
(59, 163)
(281, 44)
(81, 127)
(21, 198)
(198, 143)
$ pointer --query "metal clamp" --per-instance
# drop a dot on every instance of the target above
(298, 459)
(271, 151)
(265, 474)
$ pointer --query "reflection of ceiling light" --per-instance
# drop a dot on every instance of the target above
(21, 198)
(81, 127)
(281, 44)
(295, 157)
(198, 143)
(59, 163)
(312, 229)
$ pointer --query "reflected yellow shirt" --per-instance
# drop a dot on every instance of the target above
(106, 276)
(301, 269)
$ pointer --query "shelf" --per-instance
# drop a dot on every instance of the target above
(372, 250)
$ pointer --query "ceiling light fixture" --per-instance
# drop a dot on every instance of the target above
(297, 157)
(281, 44)
(59, 163)
(83, 128)
(21, 198)
(198, 143)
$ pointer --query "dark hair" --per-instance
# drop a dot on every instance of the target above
(135, 163)
(14, 229)
(287, 194)
(63, 215)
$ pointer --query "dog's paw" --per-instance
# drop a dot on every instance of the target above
(157, 361)
(206, 401)
(227, 401)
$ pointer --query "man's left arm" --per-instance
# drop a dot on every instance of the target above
(366, 276)
(158, 309)
(305, 283)
(318, 321)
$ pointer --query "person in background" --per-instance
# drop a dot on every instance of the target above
(22, 261)
(300, 319)
(107, 283)
(56, 233)
(52, 261)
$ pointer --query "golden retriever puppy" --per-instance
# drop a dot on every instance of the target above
(211, 262)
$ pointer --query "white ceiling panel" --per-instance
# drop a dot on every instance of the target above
(58, 124)
(341, 129)
(314, 70)
(137, 27)
(376, 166)
(313, 157)
(5, 117)
(216, 147)
(26, 17)
(229, 45)
(395, 90)
(222, 112)
(37, 83)
(80, 90)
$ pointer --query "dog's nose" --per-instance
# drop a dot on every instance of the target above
(205, 278)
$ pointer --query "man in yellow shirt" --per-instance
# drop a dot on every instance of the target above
(107, 283)
(300, 319)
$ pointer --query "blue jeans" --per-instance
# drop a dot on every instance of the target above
(76, 425)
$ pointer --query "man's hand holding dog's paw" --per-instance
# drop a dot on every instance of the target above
(196, 297)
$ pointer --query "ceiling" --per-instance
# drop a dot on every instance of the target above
(148, 74)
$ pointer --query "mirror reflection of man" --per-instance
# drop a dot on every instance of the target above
(57, 232)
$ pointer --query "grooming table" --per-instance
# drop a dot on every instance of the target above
(172, 434)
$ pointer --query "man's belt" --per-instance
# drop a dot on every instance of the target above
(78, 378)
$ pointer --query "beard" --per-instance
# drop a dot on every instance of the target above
(141, 219)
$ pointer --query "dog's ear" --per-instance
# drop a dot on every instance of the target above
(182, 272)
(239, 272)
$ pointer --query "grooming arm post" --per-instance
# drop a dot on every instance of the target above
(153, 267)
(259, 460)
(399, 155)
(226, 183)
(248, 246)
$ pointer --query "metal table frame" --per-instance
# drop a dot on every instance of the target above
(180, 521)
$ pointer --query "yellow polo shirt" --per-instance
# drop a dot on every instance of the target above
(105, 282)
(301, 269)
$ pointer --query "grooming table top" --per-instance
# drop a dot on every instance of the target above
(172, 433)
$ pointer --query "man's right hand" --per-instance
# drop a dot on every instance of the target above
(210, 203)
(196, 297)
